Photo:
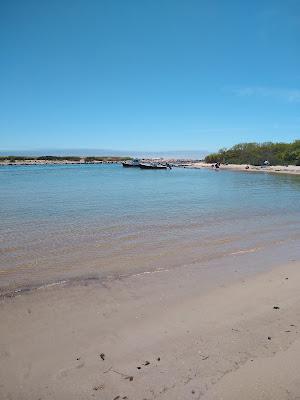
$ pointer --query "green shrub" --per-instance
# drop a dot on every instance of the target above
(257, 153)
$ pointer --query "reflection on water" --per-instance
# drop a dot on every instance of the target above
(67, 221)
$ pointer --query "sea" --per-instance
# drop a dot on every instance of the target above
(63, 223)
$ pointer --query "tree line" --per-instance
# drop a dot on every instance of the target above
(258, 153)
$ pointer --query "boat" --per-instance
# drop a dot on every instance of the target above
(131, 163)
(152, 165)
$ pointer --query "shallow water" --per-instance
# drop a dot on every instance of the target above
(68, 221)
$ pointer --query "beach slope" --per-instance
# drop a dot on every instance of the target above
(153, 336)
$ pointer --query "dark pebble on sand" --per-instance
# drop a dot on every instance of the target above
(99, 387)
(147, 362)
(117, 397)
(158, 359)
(102, 356)
(139, 367)
(269, 338)
(276, 308)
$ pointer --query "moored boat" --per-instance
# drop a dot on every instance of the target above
(152, 165)
(131, 163)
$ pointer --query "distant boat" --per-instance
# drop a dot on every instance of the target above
(131, 163)
(154, 166)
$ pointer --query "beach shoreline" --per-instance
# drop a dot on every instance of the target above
(273, 169)
(109, 292)
(154, 336)
(54, 162)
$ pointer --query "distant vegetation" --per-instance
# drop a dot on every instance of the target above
(257, 153)
(62, 158)
(91, 159)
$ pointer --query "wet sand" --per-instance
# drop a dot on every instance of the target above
(185, 333)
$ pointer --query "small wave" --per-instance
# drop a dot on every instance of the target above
(151, 272)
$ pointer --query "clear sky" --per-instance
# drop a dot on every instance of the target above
(148, 74)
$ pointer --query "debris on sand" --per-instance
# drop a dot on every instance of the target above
(102, 356)
(125, 376)
(147, 363)
(130, 378)
(269, 338)
(158, 358)
(203, 357)
(276, 308)
(99, 387)
(117, 397)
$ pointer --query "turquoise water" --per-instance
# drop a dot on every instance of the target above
(75, 220)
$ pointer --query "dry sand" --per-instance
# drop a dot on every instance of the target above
(155, 336)
(275, 169)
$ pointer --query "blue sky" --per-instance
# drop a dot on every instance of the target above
(148, 75)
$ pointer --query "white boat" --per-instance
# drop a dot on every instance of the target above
(131, 163)
(153, 165)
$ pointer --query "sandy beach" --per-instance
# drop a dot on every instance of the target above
(159, 335)
(189, 294)
(274, 169)
(137, 261)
